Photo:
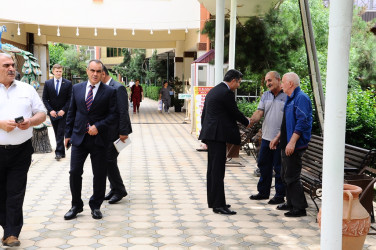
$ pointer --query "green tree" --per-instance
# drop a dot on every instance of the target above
(151, 72)
(123, 68)
(75, 62)
(56, 53)
(362, 53)
(275, 42)
(136, 70)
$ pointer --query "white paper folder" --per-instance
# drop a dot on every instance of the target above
(119, 145)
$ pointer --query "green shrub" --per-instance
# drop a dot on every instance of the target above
(151, 92)
(247, 108)
(361, 118)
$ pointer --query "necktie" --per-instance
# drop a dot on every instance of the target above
(57, 87)
(89, 98)
(89, 102)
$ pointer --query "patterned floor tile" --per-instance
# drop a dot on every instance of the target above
(166, 206)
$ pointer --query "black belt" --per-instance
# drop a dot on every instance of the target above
(10, 146)
(13, 146)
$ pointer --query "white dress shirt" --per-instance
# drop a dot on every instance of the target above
(60, 82)
(20, 99)
(95, 90)
(108, 82)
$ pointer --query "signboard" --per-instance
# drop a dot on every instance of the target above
(184, 96)
(199, 98)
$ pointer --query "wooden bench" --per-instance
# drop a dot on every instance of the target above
(358, 164)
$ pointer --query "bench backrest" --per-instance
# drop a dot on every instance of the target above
(358, 160)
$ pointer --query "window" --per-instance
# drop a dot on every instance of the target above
(91, 52)
(114, 52)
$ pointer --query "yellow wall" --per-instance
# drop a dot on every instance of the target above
(11, 33)
(109, 60)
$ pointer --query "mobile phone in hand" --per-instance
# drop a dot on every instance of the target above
(19, 119)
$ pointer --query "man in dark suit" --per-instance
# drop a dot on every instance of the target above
(219, 127)
(120, 129)
(56, 97)
(91, 112)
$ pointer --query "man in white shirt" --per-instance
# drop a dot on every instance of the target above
(20, 109)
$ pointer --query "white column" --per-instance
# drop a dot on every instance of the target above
(340, 21)
(219, 39)
(232, 34)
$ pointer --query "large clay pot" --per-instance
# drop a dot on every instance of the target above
(355, 221)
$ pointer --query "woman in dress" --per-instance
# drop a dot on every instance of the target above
(136, 96)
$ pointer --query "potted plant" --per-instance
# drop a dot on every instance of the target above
(176, 102)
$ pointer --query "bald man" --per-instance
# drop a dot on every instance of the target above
(293, 139)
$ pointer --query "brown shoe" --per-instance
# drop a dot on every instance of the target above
(11, 241)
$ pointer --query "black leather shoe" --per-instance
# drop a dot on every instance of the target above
(296, 213)
(283, 206)
(109, 195)
(96, 214)
(58, 157)
(258, 197)
(276, 200)
(115, 198)
(223, 210)
(228, 205)
(72, 213)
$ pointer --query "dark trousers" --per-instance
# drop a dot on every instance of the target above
(267, 161)
(113, 173)
(59, 126)
(291, 170)
(166, 104)
(14, 165)
(99, 168)
(136, 104)
(215, 174)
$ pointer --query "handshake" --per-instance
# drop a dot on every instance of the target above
(251, 122)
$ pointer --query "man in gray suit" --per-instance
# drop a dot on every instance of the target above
(120, 130)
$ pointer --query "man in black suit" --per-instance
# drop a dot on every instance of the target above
(91, 113)
(56, 97)
(120, 129)
(219, 127)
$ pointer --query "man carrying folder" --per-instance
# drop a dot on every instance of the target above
(118, 130)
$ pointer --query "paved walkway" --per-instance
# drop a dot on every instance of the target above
(166, 206)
